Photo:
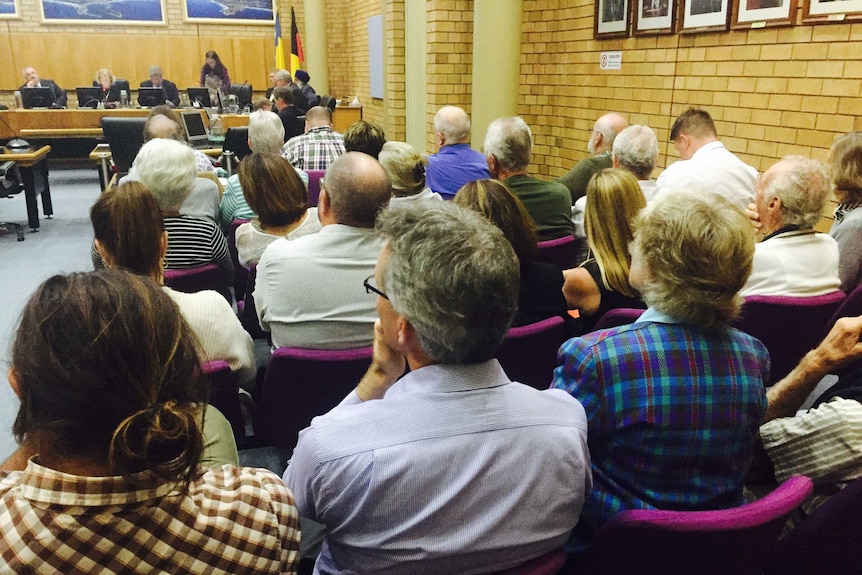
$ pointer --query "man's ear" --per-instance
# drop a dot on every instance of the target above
(614, 161)
(492, 165)
(13, 382)
(406, 333)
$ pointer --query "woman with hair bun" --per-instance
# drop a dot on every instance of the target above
(406, 168)
(108, 477)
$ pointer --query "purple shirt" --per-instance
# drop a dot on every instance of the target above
(452, 167)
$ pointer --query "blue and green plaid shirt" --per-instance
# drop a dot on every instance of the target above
(673, 412)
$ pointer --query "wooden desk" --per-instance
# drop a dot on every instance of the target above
(27, 163)
(84, 123)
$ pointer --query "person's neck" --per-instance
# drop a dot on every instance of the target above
(86, 466)
(286, 229)
(503, 173)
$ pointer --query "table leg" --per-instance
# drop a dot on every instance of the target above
(30, 196)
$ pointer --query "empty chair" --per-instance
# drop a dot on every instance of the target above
(561, 251)
(529, 353)
(789, 327)
(736, 541)
(547, 564)
(314, 177)
(224, 396)
(235, 147)
(617, 317)
(191, 280)
(242, 92)
(125, 136)
(301, 384)
(9, 177)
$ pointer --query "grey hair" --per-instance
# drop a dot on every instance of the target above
(510, 141)
(803, 191)
(636, 149)
(168, 169)
(357, 188)
(283, 75)
(698, 251)
(265, 131)
(160, 126)
(404, 166)
(454, 123)
(453, 275)
(155, 70)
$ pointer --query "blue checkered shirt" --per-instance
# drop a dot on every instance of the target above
(673, 412)
(314, 150)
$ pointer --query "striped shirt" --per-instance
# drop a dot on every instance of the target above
(233, 520)
(195, 242)
(314, 150)
(673, 409)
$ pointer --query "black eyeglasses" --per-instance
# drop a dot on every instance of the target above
(371, 289)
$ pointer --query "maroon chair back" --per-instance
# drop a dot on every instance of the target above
(224, 396)
(529, 352)
(561, 252)
(789, 327)
(247, 311)
(191, 280)
(738, 541)
(314, 177)
(240, 276)
(548, 564)
(301, 384)
(618, 317)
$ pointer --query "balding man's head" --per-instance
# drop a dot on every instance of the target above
(452, 126)
(160, 126)
(605, 130)
(317, 116)
(357, 188)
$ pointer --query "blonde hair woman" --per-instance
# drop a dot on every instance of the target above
(406, 168)
(602, 283)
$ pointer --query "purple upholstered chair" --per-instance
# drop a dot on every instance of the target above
(789, 327)
(301, 384)
(191, 280)
(561, 251)
(247, 311)
(617, 317)
(548, 564)
(827, 542)
(224, 397)
(736, 541)
(314, 177)
(529, 352)
(240, 276)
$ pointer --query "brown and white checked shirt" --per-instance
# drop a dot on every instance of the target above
(233, 520)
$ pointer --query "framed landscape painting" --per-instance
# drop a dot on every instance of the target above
(8, 8)
(144, 12)
(654, 17)
(823, 11)
(612, 18)
(749, 14)
(705, 16)
(230, 11)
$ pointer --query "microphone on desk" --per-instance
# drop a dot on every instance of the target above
(16, 145)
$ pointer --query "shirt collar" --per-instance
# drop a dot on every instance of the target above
(319, 129)
(708, 148)
(452, 378)
(654, 315)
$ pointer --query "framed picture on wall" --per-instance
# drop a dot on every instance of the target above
(654, 17)
(823, 11)
(704, 16)
(126, 12)
(235, 11)
(749, 14)
(612, 18)
(8, 8)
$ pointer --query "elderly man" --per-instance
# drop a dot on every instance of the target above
(792, 259)
(319, 146)
(452, 468)
(636, 149)
(601, 141)
(508, 145)
(706, 165)
(674, 400)
(311, 97)
(157, 80)
(278, 79)
(455, 162)
(32, 80)
(309, 290)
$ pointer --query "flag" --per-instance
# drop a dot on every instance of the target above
(279, 41)
(296, 55)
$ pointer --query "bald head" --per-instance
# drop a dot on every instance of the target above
(357, 188)
(605, 130)
(452, 126)
(317, 116)
(160, 126)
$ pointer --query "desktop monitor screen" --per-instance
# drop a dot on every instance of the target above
(196, 131)
(89, 97)
(37, 97)
(199, 95)
(151, 97)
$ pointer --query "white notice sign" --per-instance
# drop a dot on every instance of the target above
(611, 61)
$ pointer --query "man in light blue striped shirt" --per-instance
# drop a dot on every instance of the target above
(452, 468)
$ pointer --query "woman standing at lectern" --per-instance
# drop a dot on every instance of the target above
(214, 74)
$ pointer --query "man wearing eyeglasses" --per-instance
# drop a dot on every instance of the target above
(599, 146)
(452, 468)
(309, 290)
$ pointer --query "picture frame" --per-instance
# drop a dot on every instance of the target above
(237, 12)
(612, 19)
(829, 11)
(704, 16)
(117, 12)
(654, 17)
(750, 14)
(9, 9)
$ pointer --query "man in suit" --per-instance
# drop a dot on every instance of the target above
(32, 80)
(157, 80)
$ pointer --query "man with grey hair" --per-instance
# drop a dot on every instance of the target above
(309, 290)
(601, 141)
(157, 80)
(453, 467)
(455, 162)
(279, 79)
(636, 149)
(32, 80)
(791, 258)
(508, 146)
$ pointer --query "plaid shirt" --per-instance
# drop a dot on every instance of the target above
(234, 520)
(315, 149)
(673, 412)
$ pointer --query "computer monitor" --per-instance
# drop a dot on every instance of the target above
(41, 97)
(196, 131)
(88, 96)
(149, 97)
(199, 95)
